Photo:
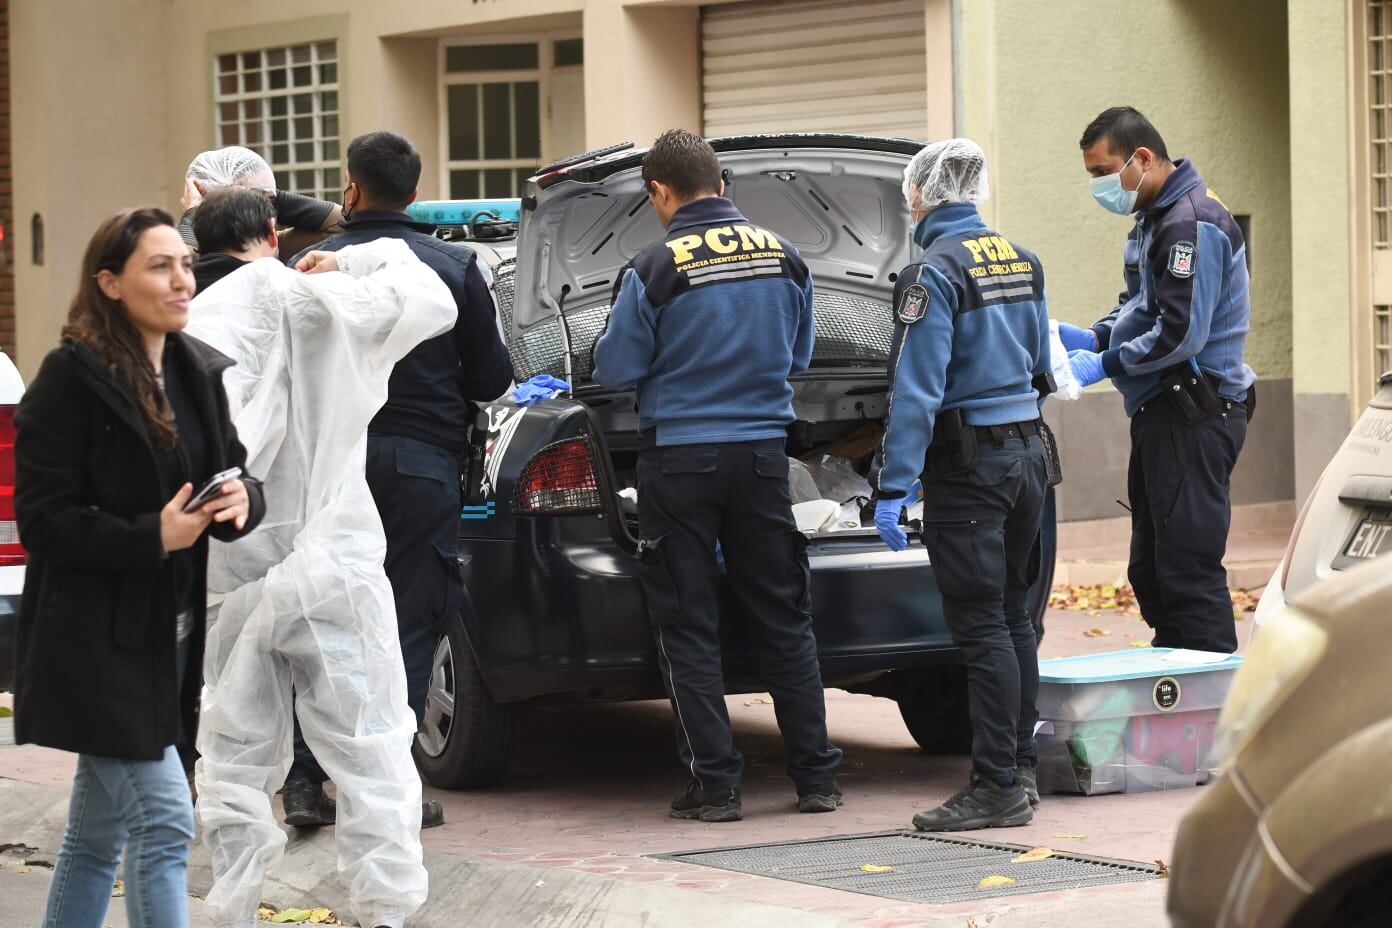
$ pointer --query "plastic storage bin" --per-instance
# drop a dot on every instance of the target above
(1130, 721)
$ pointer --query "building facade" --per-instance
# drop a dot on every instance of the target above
(1283, 106)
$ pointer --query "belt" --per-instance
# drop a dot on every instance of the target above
(997, 434)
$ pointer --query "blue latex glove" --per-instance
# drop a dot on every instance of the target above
(1074, 338)
(1087, 367)
(541, 387)
(887, 523)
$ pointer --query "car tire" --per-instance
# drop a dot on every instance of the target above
(465, 740)
(935, 711)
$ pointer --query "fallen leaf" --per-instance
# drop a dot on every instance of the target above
(118, 889)
(321, 916)
(285, 916)
(994, 880)
(23, 869)
(1140, 644)
(6, 712)
(262, 914)
(1033, 854)
(1164, 869)
(1070, 834)
(761, 701)
(875, 868)
(1097, 632)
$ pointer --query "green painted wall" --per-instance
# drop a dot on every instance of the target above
(1213, 77)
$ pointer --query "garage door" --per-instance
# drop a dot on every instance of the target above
(815, 65)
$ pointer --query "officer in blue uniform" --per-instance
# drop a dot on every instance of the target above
(1174, 347)
(969, 358)
(708, 324)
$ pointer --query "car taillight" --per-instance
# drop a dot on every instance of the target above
(560, 480)
(1295, 532)
(11, 552)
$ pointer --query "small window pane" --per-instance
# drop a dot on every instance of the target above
(251, 109)
(280, 154)
(328, 101)
(302, 104)
(329, 125)
(280, 130)
(251, 83)
(251, 61)
(303, 76)
(275, 57)
(330, 149)
(304, 151)
(228, 112)
(527, 98)
(326, 51)
(463, 122)
(300, 54)
(279, 106)
(521, 57)
(252, 133)
(231, 134)
(464, 185)
(328, 74)
(227, 63)
(304, 127)
(333, 182)
(570, 52)
(497, 182)
(305, 180)
(227, 84)
(497, 120)
(277, 79)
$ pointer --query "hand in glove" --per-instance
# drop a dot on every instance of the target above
(887, 523)
(540, 387)
(1074, 338)
(1087, 367)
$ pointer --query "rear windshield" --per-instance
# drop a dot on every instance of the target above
(852, 331)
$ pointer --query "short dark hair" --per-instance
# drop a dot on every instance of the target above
(232, 218)
(683, 161)
(387, 167)
(1125, 130)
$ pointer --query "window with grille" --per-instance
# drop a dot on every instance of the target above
(1380, 163)
(283, 104)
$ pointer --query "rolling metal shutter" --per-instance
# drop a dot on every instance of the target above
(815, 65)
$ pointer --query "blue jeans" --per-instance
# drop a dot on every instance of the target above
(143, 806)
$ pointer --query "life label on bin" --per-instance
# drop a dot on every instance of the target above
(1166, 694)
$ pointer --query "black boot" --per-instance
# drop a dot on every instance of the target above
(1025, 776)
(981, 804)
(717, 805)
(305, 804)
(819, 797)
(432, 814)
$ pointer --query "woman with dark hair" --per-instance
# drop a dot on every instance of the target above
(124, 419)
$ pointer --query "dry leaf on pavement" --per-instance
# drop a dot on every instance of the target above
(1138, 643)
(285, 916)
(1097, 632)
(876, 868)
(1032, 855)
(1078, 836)
(1164, 869)
(994, 880)
(118, 890)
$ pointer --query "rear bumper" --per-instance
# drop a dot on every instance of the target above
(9, 621)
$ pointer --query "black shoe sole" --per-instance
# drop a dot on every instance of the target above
(708, 814)
(307, 820)
(1013, 820)
(818, 803)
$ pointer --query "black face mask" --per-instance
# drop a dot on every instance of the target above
(347, 210)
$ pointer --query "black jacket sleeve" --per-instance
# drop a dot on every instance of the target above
(51, 455)
(294, 211)
(484, 357)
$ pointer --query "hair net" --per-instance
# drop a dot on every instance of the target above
(953, 171)
(223, 167)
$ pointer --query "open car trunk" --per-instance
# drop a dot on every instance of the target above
(836, 198)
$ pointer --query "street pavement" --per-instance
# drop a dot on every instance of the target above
(589, 789)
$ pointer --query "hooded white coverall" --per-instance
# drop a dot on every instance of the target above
(304, 600)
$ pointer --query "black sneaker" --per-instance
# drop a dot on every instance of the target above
(306, 805)
(432, 814)
(1029, 782)
(981, 804)
(819, 797)
(719, 805)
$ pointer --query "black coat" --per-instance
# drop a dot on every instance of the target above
(96, 643)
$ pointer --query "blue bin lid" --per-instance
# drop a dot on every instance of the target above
(1133, 664)
(462, 212)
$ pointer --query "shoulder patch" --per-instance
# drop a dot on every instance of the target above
(1182, 259)
(913, 304)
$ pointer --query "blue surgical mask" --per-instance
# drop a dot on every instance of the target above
(1112, 196)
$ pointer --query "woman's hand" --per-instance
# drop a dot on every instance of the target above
(179, 529)
(231, 505)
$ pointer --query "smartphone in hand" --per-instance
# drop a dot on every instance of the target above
(209, 491)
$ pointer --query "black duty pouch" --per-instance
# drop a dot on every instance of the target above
(953, 450)
(1053, 465)
(471, 465)
(1192, 393)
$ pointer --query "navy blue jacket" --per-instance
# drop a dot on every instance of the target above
(432, 390)
(1186, 295)
(971, 332)
(708, 324)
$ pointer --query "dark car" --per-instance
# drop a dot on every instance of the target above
(553, 608)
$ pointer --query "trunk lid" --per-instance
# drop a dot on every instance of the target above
(836, 198)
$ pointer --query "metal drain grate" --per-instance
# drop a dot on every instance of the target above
(926, 868)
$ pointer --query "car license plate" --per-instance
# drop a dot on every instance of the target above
(1371, 538)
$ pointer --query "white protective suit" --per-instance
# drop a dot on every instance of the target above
(304, 600)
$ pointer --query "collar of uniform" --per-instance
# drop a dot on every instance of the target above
(948, 219)
(703, 212)
(1184, 179)
(367, 217)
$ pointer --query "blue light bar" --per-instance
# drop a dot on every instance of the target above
(463, 212)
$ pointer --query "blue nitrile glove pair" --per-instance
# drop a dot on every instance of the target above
(1074, 337)
(1087, 367)
(541, 387)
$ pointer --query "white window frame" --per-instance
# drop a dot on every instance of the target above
(546, 64)
(287, 170)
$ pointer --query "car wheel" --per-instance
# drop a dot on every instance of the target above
(935, 711)
(465, 738)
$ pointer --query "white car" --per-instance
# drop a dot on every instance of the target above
(12, 556)
(1347, 519)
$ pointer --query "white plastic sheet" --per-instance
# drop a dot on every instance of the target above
(1067, 385)
(305, 599)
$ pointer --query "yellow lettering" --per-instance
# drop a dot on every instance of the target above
(715, 240)
(988, 247)
(976, 271)
(681, 247)
(975, 250)
(1006, 250)
(754, 239)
